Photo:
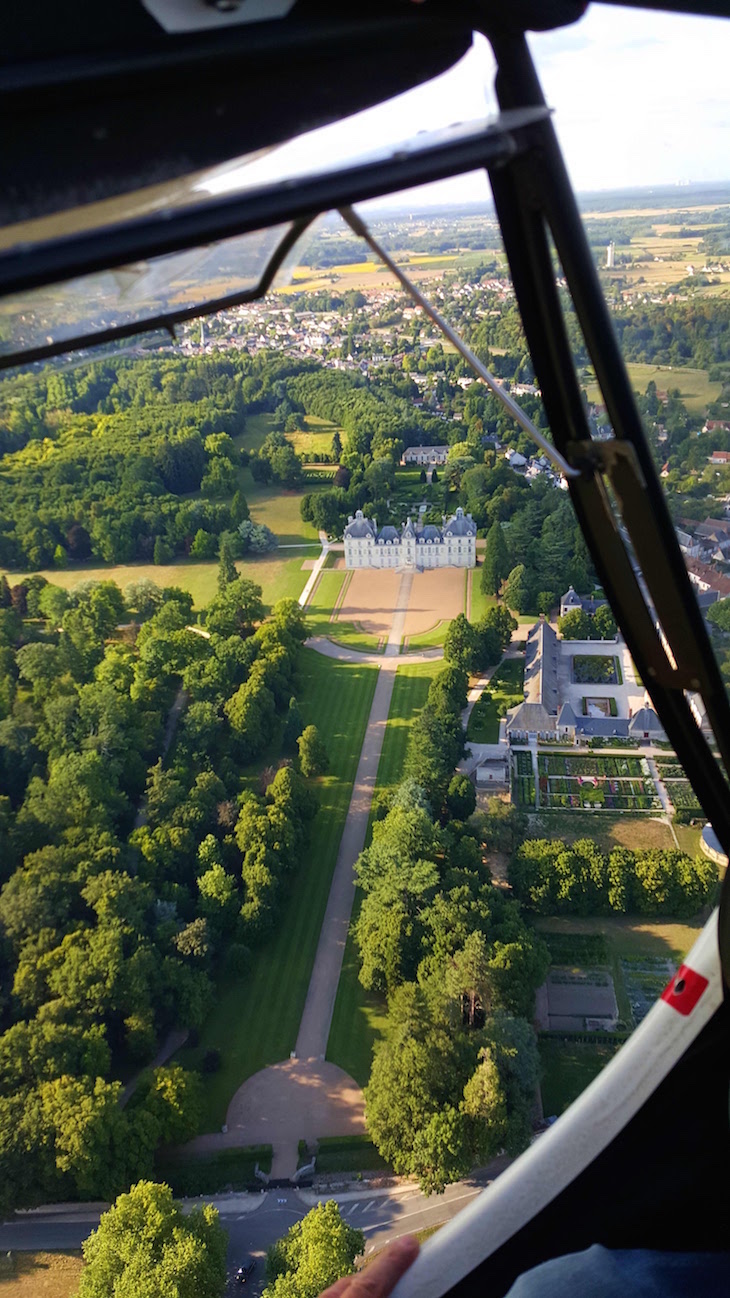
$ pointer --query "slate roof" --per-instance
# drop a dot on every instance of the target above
(460, 524)
(606, 726)
(359, 527)
(541, 667)
(645, 719)
(530, 716)
(566, 716)
(430, 533)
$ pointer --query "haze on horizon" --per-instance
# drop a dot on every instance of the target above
(639, 101)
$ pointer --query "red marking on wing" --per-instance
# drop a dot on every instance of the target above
(683, 991)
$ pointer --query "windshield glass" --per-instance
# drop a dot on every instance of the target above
(342, 846)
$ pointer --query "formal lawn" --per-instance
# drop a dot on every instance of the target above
(40, 1275)
(503, 692)
(631, 935)
(479, 601)
(255, 1019)
(412, 681)
(688, 838)
(567, 1067)
(359, 1016)
(328, 594)
(255, 433)
(432, 639)
(280, 576)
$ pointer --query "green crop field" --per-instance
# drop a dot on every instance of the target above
(359, 1016)
(255, 1018)
(279, 578)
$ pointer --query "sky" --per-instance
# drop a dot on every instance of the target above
(639, 98)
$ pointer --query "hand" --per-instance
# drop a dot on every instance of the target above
(381, 1277)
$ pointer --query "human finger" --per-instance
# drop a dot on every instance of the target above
(378, 1279)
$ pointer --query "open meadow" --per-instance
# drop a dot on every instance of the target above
(279, 578)
(695, 388)
(255, 1018)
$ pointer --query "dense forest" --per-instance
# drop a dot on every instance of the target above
(132, 870)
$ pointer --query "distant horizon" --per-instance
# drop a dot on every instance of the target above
(658, 190)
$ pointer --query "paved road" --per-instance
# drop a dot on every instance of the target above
(254, 1222)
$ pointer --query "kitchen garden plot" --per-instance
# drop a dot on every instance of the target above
(523, 780)
(615, 783)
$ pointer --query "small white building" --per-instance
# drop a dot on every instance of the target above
(428, 455)
(454, 545)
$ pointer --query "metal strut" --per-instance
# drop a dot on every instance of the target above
(654, 606)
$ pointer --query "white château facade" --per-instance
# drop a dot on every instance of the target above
(452, 546)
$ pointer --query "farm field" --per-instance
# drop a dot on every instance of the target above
(279, 578)
(40, 1275)
(503, 692)
(609, 830)
(359, 1016)
(695, 388)
(255, 1019)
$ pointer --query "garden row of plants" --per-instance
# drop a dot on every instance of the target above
(523, 790)
(614, 767)
(596, 798)
(563, 784)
